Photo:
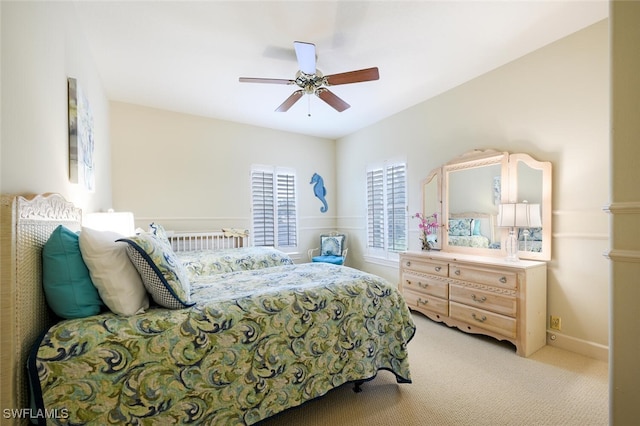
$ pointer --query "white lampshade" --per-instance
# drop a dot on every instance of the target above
(120, 222)
(514, 215)
(535, 220)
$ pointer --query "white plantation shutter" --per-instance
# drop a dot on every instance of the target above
(387, 208)
(274, 210)
(397, 207)
(375, 208)
(263, 208)
(287, 233)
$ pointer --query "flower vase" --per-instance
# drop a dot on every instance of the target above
(425, 245)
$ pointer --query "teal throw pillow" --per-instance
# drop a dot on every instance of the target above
(68, 288)
(476, 227)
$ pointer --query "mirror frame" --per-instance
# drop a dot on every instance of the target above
(437, 175)
(508, 193)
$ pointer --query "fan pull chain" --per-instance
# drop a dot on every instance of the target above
(308, 106)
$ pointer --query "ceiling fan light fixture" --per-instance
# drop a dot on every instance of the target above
(310, 80)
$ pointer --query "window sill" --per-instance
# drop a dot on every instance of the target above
(391, 263)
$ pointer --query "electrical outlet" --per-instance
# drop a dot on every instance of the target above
(555, 323)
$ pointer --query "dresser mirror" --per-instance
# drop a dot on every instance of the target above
(531, 183)
(469, 192)
(474, 188)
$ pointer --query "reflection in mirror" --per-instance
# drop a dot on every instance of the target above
(432, 206)
(473, 195)
(532, 184)
(530, 191)
(529, 183)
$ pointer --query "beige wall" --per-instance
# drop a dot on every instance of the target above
(552, 104)
(42, 46)
(192, 173)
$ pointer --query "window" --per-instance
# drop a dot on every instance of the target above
(387, 209)
(273, 202)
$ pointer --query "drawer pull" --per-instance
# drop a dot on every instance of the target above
(503, 280)
(423, 285)
(408, 263)
(478, 299)
(438, 268)
(424, 302)
(481, 319)
(457, 272)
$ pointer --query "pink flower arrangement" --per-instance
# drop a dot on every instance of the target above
(428, 225)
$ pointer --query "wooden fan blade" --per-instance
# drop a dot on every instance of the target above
(288, 103)
(334, 101)
(358, 76)
(306, 54)
(265, 80)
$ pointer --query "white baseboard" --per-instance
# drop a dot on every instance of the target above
(582, 347)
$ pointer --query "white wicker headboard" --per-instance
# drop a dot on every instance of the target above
(26, 224)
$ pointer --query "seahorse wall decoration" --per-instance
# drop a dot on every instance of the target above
(319, 191)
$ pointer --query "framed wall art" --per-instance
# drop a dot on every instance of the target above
(81, 138)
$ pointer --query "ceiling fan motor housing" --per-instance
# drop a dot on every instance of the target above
(310, 82)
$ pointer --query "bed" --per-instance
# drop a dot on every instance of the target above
(257, 334)
(471, 229)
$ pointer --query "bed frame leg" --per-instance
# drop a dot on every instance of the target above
(356, 386)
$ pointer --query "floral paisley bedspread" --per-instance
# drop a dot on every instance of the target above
(208, 262)
(256, 343)
(478, 241)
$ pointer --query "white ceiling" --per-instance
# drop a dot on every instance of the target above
(187, 56)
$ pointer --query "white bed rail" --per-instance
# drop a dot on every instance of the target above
(216, 240)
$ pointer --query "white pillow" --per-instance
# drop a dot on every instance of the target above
(111, 271)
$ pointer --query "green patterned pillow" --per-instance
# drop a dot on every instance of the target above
(460, 227)
(163, 275)
(159, 231)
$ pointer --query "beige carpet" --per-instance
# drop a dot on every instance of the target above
(463, 379)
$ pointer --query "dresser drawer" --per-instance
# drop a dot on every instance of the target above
(426, 302)
(480, 318)
(499, 303)
(493, 278)
(427, 266)
(425, 284)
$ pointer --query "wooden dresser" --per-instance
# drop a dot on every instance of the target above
(478, 294)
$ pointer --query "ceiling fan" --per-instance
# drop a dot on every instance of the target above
(311, 80)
